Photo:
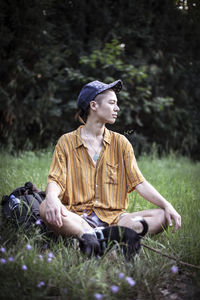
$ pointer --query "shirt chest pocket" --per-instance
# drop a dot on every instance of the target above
(111, 173)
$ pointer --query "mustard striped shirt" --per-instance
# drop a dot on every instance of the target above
(102, 188)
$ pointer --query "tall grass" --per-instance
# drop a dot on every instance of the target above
(35, 267)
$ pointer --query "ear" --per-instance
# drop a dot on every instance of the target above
(93, 105)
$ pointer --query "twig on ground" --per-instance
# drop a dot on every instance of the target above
(171, 257)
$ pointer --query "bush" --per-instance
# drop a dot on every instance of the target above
(50, 49)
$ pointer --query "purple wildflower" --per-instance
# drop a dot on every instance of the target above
(114, 289)
(98, 296)
(28, 247)
(130, 281)
(3, 260)
(50, 255)
(49, 259)
(3, 250)
(174, 269)
(38, 222)
(11, 259)
(40, 284)
(24, 267)
(40, 257)
(121, 275)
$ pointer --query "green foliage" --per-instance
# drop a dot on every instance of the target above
(51, 48)
(136, 97)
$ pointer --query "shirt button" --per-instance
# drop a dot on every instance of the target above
(96, 185)
(96, 201)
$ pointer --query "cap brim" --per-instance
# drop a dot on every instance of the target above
(116, 86)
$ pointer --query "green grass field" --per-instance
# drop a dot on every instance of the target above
(32, 267)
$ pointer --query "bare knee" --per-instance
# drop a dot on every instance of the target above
(155, 219)
(157, 223)
(162, 218)
(72, 224)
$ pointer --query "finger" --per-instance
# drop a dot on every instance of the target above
(169, 220)
(177, 224)
(52, 218)
(176, 227)
(58, 218)
(49, 217)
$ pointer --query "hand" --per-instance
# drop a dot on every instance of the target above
(55, 210)
(171, 214)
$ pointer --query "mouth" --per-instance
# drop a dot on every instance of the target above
(115, 116)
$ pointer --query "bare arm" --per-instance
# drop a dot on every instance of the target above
(148, 192)
(54, 207)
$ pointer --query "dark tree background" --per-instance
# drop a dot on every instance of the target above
(50, 49)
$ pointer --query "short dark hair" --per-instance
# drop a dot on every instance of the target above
(81, 115)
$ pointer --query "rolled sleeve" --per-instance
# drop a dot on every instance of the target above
(57, 172)
(133, 174)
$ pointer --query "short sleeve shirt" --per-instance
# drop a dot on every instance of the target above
(102, 188)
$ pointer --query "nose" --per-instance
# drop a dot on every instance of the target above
(117, 108)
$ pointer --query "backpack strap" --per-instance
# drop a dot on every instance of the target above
(18, 192)
(39, 196)
(31, 188)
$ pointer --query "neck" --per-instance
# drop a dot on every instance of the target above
(94, 129)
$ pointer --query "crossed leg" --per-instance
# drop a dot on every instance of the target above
(73, 224)
(154, 217)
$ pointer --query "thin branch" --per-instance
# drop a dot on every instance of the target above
(171, 257)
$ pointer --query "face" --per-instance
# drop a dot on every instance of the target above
(105, 106)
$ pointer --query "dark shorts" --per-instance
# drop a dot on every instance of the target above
(93, 220)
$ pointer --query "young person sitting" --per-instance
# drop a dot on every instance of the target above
(94, 169)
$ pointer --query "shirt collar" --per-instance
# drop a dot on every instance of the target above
(79, 141)
(106, 136)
